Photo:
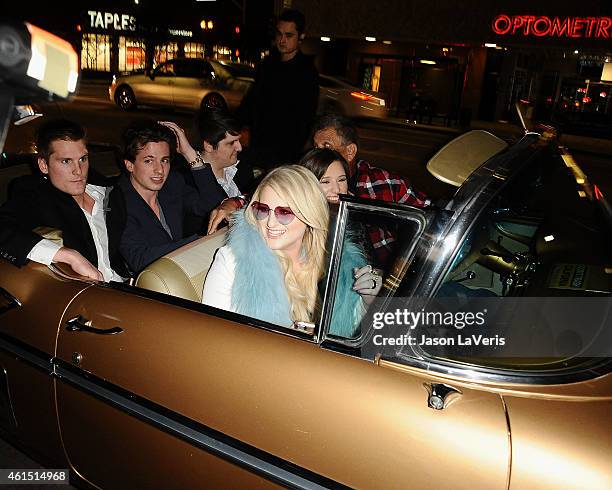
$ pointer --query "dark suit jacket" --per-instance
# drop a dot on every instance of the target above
(144, 238)
(40, 204)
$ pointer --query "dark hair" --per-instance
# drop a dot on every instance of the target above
(213, 124)
(138, 134)
(295, 16)
(57, 129)
(345, 127)
(318, 161)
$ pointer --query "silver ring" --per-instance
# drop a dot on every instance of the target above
(373, 284)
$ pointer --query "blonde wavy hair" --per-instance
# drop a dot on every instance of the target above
(300, 188)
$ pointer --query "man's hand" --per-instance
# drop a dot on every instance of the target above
(182, 143)
(79, 264)
(222, 212)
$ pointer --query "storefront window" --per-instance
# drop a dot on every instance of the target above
(164, 53)
(95, 52)
(131, 54)
(194, 50)
(222, 53)
(370, 79)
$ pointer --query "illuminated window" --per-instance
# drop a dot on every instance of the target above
(194, 50)
(95, 52)
(164, 53)
(131, 54)
(223, 53)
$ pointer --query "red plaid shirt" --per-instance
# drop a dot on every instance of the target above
(377, 183)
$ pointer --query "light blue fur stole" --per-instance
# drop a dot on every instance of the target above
(259, 286)
(348, 306)
(259, 289)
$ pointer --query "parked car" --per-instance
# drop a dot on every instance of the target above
(184, 83)
(142, 386)
(339, 96)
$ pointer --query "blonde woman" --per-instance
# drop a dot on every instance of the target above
(275, 256)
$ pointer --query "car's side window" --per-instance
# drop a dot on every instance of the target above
(372, 249)
(165, 70)
(205, 70)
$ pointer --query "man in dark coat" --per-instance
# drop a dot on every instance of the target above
(281, 106)
(70, 200)
(156, 198)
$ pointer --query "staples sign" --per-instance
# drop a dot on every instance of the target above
(543, 26)
(107, 20)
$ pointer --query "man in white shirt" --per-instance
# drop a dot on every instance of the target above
(221, 147)
(64, 200)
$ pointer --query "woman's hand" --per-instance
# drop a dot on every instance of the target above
(182, 143)
(368, 283)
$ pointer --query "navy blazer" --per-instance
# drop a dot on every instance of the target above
(144, 239)
(38, 204)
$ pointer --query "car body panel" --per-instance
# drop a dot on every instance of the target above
(326, 410)
(559, 444)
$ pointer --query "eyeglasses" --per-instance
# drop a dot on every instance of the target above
(283, 214)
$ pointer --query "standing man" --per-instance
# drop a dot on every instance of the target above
(281, 106)
(340, 133)
(156, 198)
(69, 199)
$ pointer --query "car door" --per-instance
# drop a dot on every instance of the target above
(194, 79)
(155, 392)
(158, 89)
(32, 302)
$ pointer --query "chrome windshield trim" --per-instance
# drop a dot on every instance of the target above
(483, 374)
(214, 442)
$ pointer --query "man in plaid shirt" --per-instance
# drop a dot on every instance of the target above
(340, 133)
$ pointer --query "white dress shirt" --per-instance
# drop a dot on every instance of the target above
(227, 181)
(44, 251)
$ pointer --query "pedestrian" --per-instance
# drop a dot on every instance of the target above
(280, 107)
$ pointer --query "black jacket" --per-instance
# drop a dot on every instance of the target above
(281, 107)
(39, 204)
(144, 238)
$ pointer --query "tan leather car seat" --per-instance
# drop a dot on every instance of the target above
(182, 272)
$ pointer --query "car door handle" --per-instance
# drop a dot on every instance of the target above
(79, 324)
(440, 395)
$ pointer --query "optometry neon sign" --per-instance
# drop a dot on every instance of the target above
(543, 26)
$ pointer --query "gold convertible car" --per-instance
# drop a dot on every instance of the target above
(141, 386)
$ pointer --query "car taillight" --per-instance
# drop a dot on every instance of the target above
(368, 97)
(361, 95)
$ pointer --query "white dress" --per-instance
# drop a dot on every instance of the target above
(217, 290)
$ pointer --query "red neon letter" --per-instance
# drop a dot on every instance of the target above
(541, 27)
(592, 22)
(578, 25)
(602, 29)
(502, 24)
(529, 19)
(559, 29)
(517, 23)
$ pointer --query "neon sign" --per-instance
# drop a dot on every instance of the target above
(543, 26)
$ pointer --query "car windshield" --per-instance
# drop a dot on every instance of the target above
(535, 265)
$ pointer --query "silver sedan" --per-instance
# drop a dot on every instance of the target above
(190, 84)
